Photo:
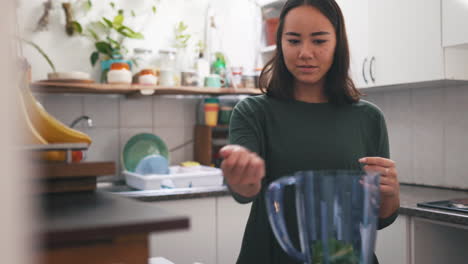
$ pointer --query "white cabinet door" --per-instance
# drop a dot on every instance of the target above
(393, 245)
(198, 244)
(455, 22)
(357, 26)
(437, 242)
(405, 41)
(232, 218)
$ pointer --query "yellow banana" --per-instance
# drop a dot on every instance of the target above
(51, 129)
(32, 136)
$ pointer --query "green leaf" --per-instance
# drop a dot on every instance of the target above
(114, 42)
(108, 22)
(104, 47)
(112, 4)
(94, 58)
(42, 52)
(77, 27)
(93, 34)
(154, 9)
(128, 32)
(133, 13)
(89, 4)
(118, 20)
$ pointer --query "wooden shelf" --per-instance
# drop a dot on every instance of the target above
(133, 89)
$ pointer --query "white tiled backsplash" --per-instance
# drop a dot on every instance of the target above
(116, 119)
(427, 127)
(427, 131)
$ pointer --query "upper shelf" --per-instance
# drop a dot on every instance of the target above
(100, 88)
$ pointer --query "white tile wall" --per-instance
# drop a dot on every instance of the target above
(136, 112)
(116, 119)
(428, 141)
(104, 110)
(427, 131)
(399, 117)
(64, 107)
(105, 146)
(169, 111)
(456, 137)
(427, 128)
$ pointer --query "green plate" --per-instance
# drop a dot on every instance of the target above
(140, 146)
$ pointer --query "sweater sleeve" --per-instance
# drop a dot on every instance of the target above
(383, 150)
(245, 130)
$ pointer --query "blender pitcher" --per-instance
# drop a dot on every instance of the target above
(336, 215)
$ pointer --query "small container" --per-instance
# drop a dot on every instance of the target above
(249, 81)
(189, 78)
(225, 114)
(211, 111)
(147, 77)
(237, 77)
(119, 73)
(143, 58)
(167, 64)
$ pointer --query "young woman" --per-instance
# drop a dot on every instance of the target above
(310, 118)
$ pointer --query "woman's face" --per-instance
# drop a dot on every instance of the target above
(308, 42)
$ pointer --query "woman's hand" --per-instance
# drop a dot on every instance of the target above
(242, 169)
(389, 185)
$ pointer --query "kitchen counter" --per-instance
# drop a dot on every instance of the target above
(90, 216)
(410, 196)
(166, 194)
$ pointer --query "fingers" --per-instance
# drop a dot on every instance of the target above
(227, 150)
(242, 167)
(383, 162)
(229, 164)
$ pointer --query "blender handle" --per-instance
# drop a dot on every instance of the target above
(274, 204)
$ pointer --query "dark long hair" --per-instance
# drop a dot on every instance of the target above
(277, 81)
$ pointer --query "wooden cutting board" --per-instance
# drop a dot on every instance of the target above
(54, 170)
(72, 177)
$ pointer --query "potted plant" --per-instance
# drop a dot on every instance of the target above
(109, 36)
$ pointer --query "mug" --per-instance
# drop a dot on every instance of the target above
(214, 81)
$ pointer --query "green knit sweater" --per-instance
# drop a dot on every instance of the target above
(293, 136)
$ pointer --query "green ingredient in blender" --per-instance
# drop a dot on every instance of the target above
(339, 253)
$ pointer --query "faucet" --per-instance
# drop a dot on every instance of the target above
(83, 117)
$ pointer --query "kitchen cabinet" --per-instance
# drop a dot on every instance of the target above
(198, 244)
(215, 235)
(357, 27)
(454, 23)
(437, 242)
(393, 243)
(394, 42)
(231, 220)
(414, 240)
(96, 228)
(405, 41)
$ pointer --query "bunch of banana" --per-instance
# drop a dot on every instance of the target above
(42, 128)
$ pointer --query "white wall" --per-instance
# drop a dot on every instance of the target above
(427, 130)
(237, 22)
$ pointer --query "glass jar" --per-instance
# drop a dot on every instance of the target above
(168, 74)
(143, 58)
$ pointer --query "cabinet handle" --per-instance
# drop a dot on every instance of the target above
(371, 69)
(363, 70)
